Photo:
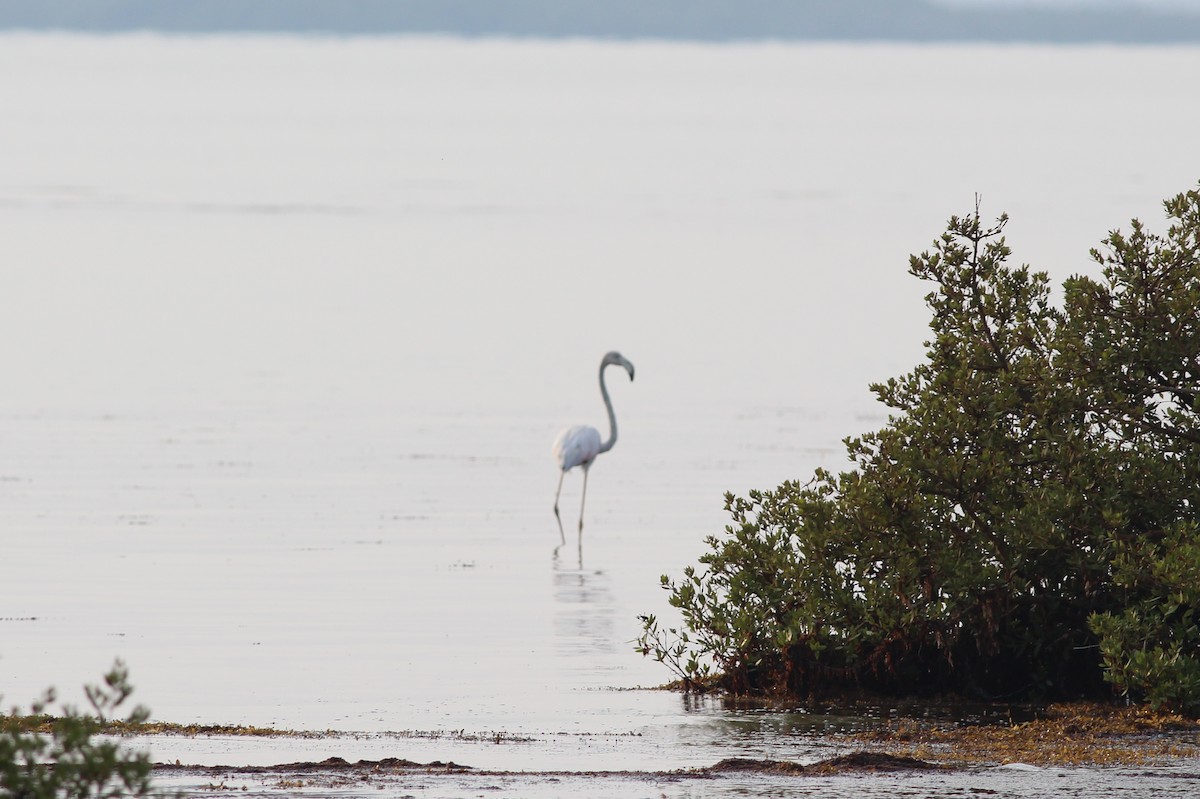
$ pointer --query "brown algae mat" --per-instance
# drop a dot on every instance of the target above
(1073, 734)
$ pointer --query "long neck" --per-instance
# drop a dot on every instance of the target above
(612, 417)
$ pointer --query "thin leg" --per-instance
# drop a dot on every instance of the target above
(561, 534)
(583, 501)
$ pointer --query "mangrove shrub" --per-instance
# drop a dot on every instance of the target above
(1025, 524)
(45, 756)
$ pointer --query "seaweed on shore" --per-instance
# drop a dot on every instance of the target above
(1070, 734)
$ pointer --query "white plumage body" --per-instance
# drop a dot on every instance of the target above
(577, 446)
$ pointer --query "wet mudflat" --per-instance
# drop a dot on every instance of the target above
(394, 775)
(859, 774)
(1069, 750)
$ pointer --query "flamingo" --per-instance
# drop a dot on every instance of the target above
(579, 445)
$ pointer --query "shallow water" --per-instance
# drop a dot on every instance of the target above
(291, 325)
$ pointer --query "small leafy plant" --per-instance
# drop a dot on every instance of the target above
(44, 756)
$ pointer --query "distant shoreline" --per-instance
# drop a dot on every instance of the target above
(915, 21)
(566, 41)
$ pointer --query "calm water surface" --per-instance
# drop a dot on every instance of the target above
(291, 324)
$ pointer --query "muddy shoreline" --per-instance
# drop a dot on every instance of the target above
(1082, 750)
(402, 777)
(855, 762)
(862, 773)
